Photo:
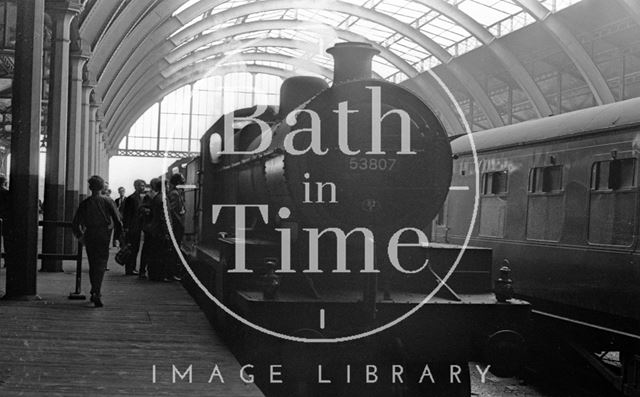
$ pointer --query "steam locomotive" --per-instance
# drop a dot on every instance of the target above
(559, 202)
(308, 219)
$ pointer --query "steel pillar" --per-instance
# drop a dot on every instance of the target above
(22, 259)
(92, 142)
(74, 141)
(87, 87)
(61, 13)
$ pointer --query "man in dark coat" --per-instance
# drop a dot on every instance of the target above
(93, 223)
(132, 223)
(119, 205)
(5, 209)
(176, 216)
(120, 199)
(155, 238)
(147, 225)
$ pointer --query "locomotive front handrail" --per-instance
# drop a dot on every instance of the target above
(251, 159)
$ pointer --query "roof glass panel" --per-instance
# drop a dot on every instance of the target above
(443, 30)
(485, 12)
(499, 17)
(405, 11)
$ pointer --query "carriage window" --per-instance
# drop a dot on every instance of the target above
(613, 174)
(545, 179)
(494, 182)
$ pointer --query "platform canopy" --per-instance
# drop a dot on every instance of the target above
(485, 63)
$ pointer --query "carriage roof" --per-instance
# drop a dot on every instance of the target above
(581, 122)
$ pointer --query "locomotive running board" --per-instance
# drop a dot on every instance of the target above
(594, 326)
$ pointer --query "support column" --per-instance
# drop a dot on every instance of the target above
(22, 259)
(107, 158)
(74, 141)
(87, 88)
(102, 173)
(92, 143)
(99, 156)
(96, 164)
(4, 153)
(98, 140)
(104, 160)
(61, 13)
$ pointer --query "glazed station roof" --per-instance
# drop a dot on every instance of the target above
(143, 50)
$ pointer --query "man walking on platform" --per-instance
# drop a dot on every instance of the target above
(93, 224)
(133, 223)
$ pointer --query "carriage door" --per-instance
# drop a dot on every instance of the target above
(613, 202)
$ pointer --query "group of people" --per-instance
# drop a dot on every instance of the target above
(130, 220)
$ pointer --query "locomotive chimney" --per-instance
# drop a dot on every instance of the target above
(352, 61)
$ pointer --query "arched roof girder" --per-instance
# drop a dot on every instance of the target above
(147, 60)
(153, 74)
(515, 68)
(136, 82)
(151, 66)
(149, 34)
(239, 45)
(94, 24)
(513, 65)
(465, 78)
(163, 11)
(633, 6)
(256, 26)
(156, 94)
(159, 81)
(427, 90)
(572, 47)
(424, 87)
(111, 40)
(212, 64)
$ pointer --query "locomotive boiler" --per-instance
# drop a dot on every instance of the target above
(311, 220)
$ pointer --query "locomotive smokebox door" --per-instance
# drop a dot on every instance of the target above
(384, 150)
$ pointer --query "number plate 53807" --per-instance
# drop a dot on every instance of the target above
(371, 164)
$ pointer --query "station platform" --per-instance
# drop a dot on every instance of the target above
(53, 346)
